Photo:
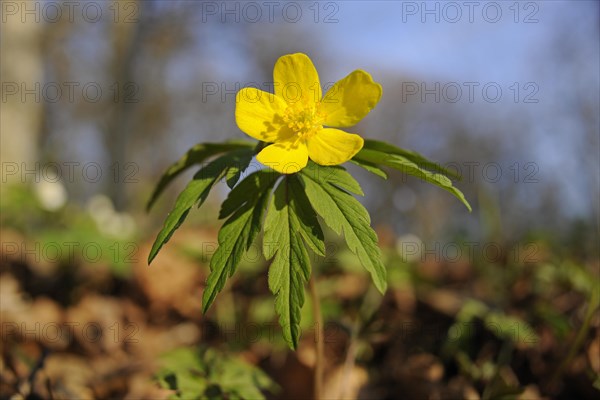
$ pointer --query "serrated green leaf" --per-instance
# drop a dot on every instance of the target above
(196, 191)
(306, 217)
(246, 190)
(372, 168)
(196, 155)
(239, 231)
(335, 175)
(344, 214)
(290, 268)
(410, 155)
(405, 165)
(241, 163)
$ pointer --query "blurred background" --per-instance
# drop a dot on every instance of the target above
(99, 98)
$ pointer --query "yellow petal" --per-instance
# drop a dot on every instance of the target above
(258, 114)
(350, 99)
(285, 157)
(296, 79)
(333, 146)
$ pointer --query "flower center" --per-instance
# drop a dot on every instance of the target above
(304, 119)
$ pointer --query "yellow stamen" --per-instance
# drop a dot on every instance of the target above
(304, 119)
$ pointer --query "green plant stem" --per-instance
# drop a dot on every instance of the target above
(319, 338)
(581, 334)
(369, 304)
(349, 361)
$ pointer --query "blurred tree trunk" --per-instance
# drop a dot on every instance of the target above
(21, 116)
(126, 40)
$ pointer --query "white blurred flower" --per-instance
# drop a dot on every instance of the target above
(100, 208)
(409, 247)
(118, 225)
(108, 221)
(51, 195)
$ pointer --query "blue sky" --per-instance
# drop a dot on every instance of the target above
(392, 35)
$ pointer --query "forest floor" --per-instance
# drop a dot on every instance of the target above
(521, 324)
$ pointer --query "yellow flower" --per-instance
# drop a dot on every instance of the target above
(293, 119)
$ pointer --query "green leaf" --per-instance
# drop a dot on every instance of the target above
(289, 214)
(413, 156)
(196, 155)
(247, 190)
(507, 327)
(197, 190)
(184, 371)
(343, 213)
(405, 165)
(596, 383)
(306, 216)
(372, 168)
(240, 164)
(246, 207)
(208, 374)
(237, 377)
(334, 175)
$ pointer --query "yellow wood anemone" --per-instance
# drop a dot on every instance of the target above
(296, 119)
